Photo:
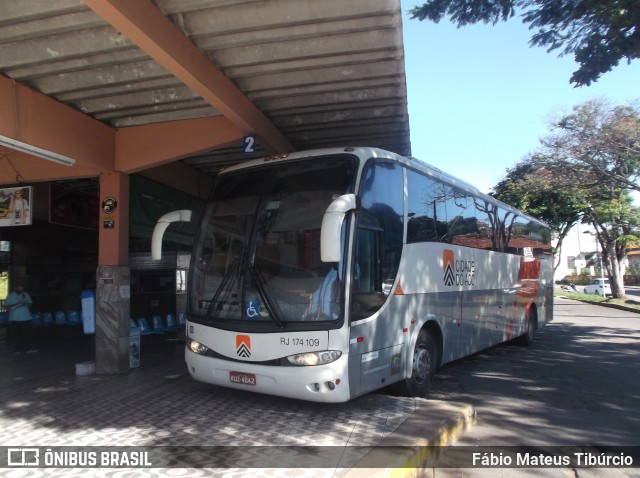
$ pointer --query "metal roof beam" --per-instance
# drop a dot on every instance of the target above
(144, 24)
(30, 118)
(142, 147)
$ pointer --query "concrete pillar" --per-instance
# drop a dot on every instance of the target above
(113, 303)
(112, 320)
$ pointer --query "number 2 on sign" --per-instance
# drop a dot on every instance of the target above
(249, 144)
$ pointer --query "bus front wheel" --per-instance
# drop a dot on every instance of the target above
(425, 361)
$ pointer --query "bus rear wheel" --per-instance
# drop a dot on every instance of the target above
(527, 338)
(425, 362)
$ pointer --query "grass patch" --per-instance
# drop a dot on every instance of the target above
(598, 299)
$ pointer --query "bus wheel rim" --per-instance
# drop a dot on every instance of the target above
(421, 363)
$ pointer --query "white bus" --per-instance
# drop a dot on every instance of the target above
(328, 274)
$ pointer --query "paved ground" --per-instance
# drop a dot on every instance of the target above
(44, 404)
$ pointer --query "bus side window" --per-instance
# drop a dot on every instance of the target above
(379, 236)
(430, 202)
(367, 273)
(422, 225)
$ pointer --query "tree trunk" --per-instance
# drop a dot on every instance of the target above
(561, 235)
(615, 272)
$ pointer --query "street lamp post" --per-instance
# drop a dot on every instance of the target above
(601, 262)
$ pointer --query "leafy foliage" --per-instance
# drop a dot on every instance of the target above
(584, 171)
(533, 187)
(599, 144)
(598, 33)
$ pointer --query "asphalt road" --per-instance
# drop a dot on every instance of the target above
(578, 385)
(632, 291)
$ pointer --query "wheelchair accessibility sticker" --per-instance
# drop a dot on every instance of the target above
(255, 309)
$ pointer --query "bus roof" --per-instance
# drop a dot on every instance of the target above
(365, 153)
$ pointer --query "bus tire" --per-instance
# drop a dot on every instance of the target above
(423, 367)
(527, 338)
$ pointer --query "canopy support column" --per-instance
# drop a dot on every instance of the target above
(113, 305)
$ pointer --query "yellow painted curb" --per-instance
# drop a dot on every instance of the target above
(408, 460)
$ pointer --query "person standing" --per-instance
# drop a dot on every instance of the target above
(18, 304)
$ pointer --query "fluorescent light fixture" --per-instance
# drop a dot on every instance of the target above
(35, 151)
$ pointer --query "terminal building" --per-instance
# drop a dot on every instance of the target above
(113, 113)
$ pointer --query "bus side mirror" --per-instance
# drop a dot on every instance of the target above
(183, 215)
(330, 248)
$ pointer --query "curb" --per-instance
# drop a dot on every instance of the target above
(406, 451)
(602, 304)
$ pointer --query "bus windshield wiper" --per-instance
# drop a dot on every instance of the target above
(230, 275)
(271, 307)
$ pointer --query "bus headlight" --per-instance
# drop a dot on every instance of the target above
(197, 347)
(315, 358)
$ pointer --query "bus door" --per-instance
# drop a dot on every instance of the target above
(376, 314)
(469, 326)
(477, 320)
(376, 332)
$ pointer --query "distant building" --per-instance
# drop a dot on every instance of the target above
(633, 259)
(580, 251)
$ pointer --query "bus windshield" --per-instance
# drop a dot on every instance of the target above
(257, 255)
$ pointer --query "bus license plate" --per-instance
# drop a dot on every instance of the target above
(242, 378)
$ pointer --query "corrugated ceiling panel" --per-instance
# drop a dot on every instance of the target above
(327, 73)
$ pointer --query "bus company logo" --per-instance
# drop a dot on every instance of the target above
(447, 266)
(458, 272)
(23, 457)
(243, 346)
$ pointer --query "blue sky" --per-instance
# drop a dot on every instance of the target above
(480, 98)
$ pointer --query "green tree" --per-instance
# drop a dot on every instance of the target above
(616, 222)
(596, 147)
(598, 33)
(597, 144)
(588, 163)
(532, 186)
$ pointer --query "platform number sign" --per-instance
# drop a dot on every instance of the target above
(249, 144)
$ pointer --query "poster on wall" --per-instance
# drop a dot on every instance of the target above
(73, 208)
(15, 206)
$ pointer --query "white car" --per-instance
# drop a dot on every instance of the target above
(598, 287)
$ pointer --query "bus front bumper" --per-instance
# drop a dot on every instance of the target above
(321, 383)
